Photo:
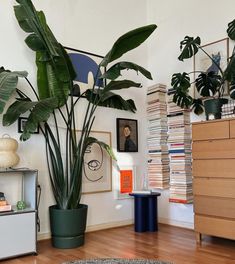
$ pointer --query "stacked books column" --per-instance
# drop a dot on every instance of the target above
(158, 158)
(179, 144)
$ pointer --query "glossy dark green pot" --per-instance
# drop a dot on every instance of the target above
(213, 107)
(68, 226)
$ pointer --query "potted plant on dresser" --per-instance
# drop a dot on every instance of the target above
(53, 105)
(210, 84)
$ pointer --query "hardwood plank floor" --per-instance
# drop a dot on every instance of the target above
(169, 243)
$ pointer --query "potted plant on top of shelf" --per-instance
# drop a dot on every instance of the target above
(54, 98)
(210, 84)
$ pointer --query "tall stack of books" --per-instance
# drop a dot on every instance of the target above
(179, 144)
(158, 159)
(4, 206)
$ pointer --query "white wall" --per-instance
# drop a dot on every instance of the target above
(176, 19)
(91, 26)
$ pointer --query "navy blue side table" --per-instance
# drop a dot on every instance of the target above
(146, 217)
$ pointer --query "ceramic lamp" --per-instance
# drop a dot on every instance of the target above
(8, 156)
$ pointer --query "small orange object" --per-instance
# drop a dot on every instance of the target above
(126, 181)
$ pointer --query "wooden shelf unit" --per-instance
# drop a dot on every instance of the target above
(213, 152)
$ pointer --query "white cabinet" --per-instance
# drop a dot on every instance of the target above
(18, 234)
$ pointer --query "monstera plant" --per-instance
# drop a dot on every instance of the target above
(52, 105)
(210, 83)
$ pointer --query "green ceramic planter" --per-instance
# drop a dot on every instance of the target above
(214, 107)
(68, 226)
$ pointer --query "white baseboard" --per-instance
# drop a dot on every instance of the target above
(183, 224)
(92, 228)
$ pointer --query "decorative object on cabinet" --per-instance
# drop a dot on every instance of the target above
(179, 144)
(8, 155)
(228, 110)
(213, 152)
(127, 135)
(18, 227)
(22, 122)
(158, 156)
(55, 75)
(211, 83)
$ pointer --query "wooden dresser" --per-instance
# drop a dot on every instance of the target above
(213, 154)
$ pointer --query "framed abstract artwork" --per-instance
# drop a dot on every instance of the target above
(219, 52)
(127, 135)
(86, 65)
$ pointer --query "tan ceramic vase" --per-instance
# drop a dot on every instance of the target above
(8, 156)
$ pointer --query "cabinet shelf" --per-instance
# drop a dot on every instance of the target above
(18, 227)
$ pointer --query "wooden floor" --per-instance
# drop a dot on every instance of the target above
(172, 244)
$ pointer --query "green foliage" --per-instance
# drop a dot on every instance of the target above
(189, 47)
(55, 75)
(208, 84)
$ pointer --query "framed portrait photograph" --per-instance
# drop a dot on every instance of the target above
(219, 51)
(86, 65)
(21, 123)
(127, 135)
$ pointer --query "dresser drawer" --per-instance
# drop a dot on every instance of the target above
(214, 187)
(214, 149)
(210, 130)
(214, 168)
(232, 128)
(214, 206)
(214, 226)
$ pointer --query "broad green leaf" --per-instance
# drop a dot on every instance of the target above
(127, 42)
(229, 73)
(34, 42)
(8, 84)
(115, 71)
(40, 113)
(231, 30)
(180, 81)
(118, 85)
(232, 90)
(106, 147)
(55, 72)
(197, 106)
(208, 84)
(111, 100)
(182, 99)
(15, 110)
(189, 46)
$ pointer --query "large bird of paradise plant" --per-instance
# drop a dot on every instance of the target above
(208, 84)
(51, 99)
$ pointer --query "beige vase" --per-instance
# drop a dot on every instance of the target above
(8, 156)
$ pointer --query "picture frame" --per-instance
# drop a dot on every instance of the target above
(201, 62)
(86, 66)
(21, 123)
(97, 172)
(127, 135)
(126, 181)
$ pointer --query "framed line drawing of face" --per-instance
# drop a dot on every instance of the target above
(127, 135)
